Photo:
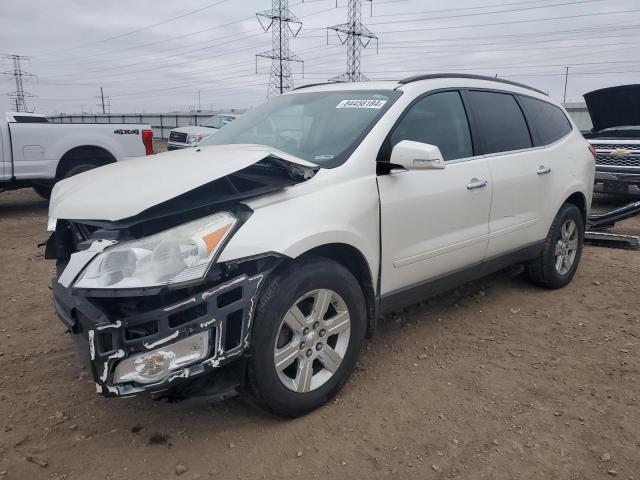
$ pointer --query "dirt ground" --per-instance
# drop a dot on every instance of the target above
(497, 380)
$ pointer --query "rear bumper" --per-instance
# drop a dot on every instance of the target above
(629, 175)
(102, 339)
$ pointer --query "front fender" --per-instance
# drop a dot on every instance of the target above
(310, 215)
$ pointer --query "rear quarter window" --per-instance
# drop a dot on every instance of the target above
(498, 121)
(548, 123)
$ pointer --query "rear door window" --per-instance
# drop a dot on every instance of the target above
(499, 121)
(547, 122)
(438, 119)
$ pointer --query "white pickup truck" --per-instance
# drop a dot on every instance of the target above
(35, 153)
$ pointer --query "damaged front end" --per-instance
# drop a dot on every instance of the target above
(151, 311)
(108, 328)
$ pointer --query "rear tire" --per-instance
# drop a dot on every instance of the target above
(76, 169)
(292, 372)
(43, 190)
(562, 249)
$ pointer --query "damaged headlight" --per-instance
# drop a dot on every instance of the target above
(180, 254)
(155, 365)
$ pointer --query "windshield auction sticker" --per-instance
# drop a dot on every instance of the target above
(377, 104)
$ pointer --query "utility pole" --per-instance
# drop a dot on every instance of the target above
(566, 80)
(280, 21)
(105, 106)
(18, 96)
(199, 105)
(355, 36)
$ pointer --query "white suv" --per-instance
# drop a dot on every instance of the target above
(263, 257)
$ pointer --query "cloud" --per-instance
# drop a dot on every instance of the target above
(163, 68)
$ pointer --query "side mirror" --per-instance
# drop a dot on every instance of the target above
(417, 156)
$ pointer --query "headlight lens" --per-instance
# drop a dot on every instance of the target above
(155, 365)
(178, 255)
(196, 138)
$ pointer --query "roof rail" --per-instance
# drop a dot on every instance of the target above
(432, 76)
(308, 85)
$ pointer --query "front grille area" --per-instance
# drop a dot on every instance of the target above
(178, 137)
(114, 328)
(630, 161)
(614, 154)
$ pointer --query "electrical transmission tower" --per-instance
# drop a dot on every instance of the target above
(280, 20)
(105, 102)
(18, 97)
(355, 36)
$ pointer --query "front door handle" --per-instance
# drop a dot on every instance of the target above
(475, 183)
(542, 170)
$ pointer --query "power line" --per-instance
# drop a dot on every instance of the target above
(513, 22)
(232, 39)
(18, 97)
(355, 36)
(134, 31)
(443, 17)
(459, 9)
(280, 21)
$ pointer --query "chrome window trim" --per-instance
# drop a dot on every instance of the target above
(509, 152)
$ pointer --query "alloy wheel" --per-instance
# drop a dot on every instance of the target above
(566, 247)
(312, 340)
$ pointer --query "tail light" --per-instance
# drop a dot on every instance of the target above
(147, 140)
(592, 149)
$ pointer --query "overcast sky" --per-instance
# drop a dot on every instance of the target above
(78, 46)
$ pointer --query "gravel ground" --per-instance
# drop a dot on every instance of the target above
(497, 379)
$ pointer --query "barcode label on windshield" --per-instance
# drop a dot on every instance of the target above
(377, 104)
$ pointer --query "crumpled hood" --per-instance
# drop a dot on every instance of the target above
(123, 189)
(196, 130)
(614, 106)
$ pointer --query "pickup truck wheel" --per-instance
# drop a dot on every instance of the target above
(309, 328)
(76, 169)
(43, 190)
(562, 250)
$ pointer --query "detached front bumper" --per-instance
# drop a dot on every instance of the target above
(108, 329)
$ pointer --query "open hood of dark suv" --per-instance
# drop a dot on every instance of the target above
(614, 106)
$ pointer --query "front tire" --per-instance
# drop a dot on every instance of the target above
(309, 328)
(562, 250)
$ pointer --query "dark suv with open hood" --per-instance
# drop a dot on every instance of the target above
(615, 113)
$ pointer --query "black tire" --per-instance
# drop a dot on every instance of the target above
(43, 190)
(277, 297)
(543, 271)
(76, 169)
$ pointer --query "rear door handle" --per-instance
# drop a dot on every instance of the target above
(475, 183)
(542, 170)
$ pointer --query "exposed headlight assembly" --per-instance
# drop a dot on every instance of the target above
(180, 254)
(155, 365)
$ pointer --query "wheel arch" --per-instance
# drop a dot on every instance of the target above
(579, 200)
(353, 260)
(83, 153)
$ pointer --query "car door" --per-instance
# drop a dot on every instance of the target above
(433, 222)
(549, 128)
(500, 127)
